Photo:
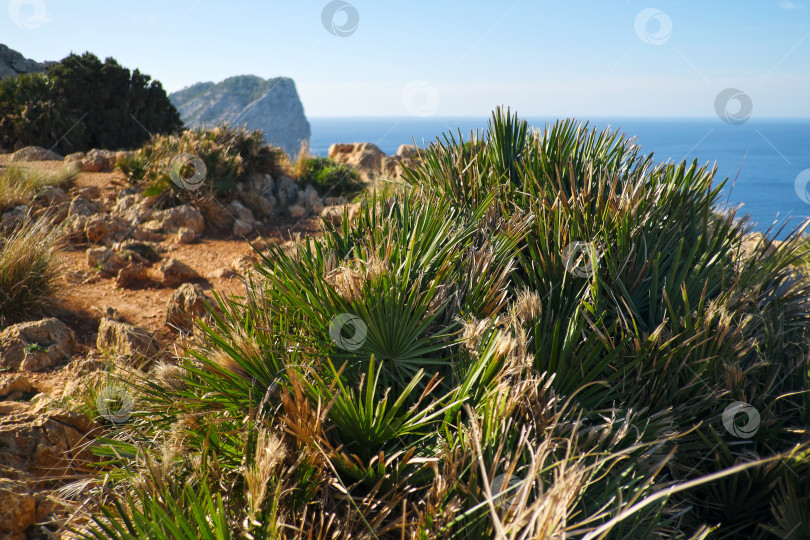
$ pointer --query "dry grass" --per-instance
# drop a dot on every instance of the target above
(19, 184)
(29, 269)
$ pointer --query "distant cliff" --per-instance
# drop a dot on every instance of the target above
(13, 63)
(270, 105)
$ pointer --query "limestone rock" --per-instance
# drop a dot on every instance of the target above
(43, 442)
(272, 106)
(365, 157)
(185, 235)
(108, 262)
(15, 388)
(187, 303)
(241, 228)
(287, 191)
(171, 219)
(35, 153)
(38, 345)
(125, 340)
(13, 63)
(176, 273)
(130, 275)
(81, 206)
(17, 506)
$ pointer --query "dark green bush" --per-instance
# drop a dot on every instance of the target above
(326, 175)
(82, 103)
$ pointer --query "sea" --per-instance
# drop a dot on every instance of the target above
(767, 162)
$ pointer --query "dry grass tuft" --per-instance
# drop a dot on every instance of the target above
(29, 269)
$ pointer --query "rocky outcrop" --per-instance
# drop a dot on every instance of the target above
(366, 158)
(13, 63)
(34, 346)
(272, 106)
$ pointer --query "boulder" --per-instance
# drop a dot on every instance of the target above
(126, 341)
(287, 191)
(187, 303)
(365, 157)
(35, 153)
(185, 235)
(174, 272)
(241, 228)
(53, 195)
(42, 442)
(81, 206)
(130, 275)
(296, 211)
(172, 219)
(35, 346)
(134, 208)
(96, 160)
(108, 262)
(18, 507)
(239, 212)
(102, 229)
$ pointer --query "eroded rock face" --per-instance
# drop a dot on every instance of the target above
(13, 63)
(39, 445)
(272, 106)
(38, 345)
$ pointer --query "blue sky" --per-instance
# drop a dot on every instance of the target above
(590, 58)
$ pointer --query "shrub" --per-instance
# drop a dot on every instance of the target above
(29, 269)
(328, 176)
(440, 367)
(82, 103)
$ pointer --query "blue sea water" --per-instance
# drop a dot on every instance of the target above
(761, 158)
